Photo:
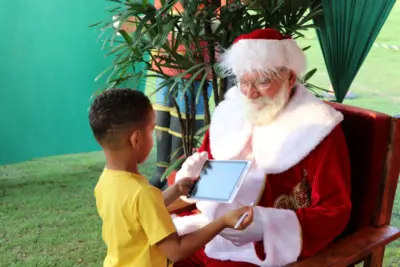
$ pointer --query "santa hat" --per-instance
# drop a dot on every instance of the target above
(263, 50)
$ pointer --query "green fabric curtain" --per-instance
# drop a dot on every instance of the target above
(346, 33)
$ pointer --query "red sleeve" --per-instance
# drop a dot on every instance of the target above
(205, 146)
(329, 212)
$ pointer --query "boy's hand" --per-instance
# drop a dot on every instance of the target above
(184, 185)
(231, 218)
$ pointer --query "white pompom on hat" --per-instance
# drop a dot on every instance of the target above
(263, 50)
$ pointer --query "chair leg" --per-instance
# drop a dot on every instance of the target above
(375, 259)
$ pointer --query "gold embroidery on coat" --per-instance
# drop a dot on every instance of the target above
(300, 197)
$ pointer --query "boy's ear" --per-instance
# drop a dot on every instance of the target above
(134, 139)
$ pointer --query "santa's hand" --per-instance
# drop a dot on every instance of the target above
(251, 234)
(192, 166)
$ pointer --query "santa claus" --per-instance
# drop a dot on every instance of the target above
(300, 176)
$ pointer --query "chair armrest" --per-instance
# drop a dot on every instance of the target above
(179, 206)
(352, 248)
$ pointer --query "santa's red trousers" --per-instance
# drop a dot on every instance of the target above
(200, 259)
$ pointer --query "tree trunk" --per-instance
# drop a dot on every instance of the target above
(211, 54)
(207, 115)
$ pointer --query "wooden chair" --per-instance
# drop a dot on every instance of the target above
(373, 140)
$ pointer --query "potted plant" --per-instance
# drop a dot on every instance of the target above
(179, 46)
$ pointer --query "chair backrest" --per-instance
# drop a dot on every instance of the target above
(370, 139)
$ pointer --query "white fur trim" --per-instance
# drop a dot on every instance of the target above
(229, 130)
(263, 55)
(282, 241)
(233, 93)
(282, 236)
(222, 249)
(188, 224)
(303, 123)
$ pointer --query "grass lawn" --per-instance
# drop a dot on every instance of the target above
(48, 214)
(47, 209)
(375, 84)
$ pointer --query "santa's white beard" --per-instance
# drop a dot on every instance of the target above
(270, 107)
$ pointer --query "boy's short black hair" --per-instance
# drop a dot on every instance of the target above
(116, 110)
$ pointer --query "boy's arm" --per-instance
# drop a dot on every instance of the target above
(157, 223)
(170, 195)
(180, 188)
(177, 247)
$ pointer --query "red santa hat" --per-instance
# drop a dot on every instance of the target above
(263, 50)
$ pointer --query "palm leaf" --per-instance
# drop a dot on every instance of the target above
(191, 81)
(160, 35)
(202, 130)
(309, 74)
(172, 167)
(201, 84)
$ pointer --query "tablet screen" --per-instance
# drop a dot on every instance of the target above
(218, 180)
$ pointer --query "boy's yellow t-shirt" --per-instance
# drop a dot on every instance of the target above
(134, 220)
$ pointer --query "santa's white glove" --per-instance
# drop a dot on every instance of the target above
(191, 168)
(251, 234)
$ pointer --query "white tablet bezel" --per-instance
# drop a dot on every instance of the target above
(237, 187)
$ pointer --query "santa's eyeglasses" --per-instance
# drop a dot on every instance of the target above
(261, 84)
(264, 82)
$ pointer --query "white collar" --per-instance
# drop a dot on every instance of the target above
(291, 136)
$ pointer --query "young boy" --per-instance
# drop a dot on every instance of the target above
(137, 228)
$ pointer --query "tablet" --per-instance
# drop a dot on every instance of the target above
(220, 180)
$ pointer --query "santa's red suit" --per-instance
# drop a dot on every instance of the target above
(300, 180)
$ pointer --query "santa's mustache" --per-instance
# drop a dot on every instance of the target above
(263, 110)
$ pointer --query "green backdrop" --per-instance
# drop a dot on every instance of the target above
(49, 58)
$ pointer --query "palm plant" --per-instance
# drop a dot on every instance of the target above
(182, 47)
